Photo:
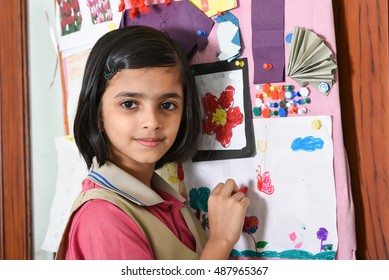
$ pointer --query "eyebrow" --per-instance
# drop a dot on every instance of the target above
(140, 95)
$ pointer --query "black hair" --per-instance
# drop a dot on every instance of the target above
(133, 47)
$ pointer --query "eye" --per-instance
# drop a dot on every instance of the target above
(129, 104)
(168, 106)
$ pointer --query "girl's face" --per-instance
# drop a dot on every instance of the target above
(141, 114)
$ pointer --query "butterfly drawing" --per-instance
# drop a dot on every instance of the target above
(264, 182)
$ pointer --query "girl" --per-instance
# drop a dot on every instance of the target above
(139, 109)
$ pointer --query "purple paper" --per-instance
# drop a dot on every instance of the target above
(267, 20)
(188, 26)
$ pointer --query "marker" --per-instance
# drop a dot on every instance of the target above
(243, 189)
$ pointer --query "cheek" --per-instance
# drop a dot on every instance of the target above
(111, 124)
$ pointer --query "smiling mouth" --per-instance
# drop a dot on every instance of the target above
(150, 143)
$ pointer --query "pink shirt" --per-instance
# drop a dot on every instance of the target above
(100, 230)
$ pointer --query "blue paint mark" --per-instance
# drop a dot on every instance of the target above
(308, 144)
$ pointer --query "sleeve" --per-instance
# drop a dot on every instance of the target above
(101, 231)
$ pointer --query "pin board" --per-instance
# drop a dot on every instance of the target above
(285, 142)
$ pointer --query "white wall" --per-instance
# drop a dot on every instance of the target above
(46, 118)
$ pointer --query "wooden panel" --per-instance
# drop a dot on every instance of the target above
(15, 241)
(1, 174)
(362, 44)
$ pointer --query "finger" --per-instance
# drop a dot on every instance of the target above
(245, 201)
(229, 188)
(238, 196)
(235, 186)
(218, 188)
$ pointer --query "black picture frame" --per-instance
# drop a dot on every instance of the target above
(224, 67)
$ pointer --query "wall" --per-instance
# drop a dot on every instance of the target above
(46, 118)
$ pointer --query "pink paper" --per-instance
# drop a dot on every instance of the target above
(318, 18)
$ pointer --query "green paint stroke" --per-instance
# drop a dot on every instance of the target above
(198, 198)
(287, 254)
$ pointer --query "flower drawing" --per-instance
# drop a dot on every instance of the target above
(322, 235)
(220, 117)
(70, 16)
(293, 237)
(250, 226)
(100, 10)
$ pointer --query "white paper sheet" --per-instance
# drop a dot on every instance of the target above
(302, 204)
(71, 171)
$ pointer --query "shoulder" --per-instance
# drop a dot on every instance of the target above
(96, 212)
(100, 230)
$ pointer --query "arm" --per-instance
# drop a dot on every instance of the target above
(226, 211)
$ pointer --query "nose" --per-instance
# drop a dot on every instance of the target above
(151, 119)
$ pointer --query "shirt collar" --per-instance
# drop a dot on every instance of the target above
(116, 179)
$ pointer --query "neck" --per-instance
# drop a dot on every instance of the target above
(144, 174)
(141, 172)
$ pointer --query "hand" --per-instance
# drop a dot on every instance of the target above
(226, 211)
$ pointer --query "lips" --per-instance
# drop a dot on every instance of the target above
(149, 142)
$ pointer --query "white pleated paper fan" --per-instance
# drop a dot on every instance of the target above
(310, 60)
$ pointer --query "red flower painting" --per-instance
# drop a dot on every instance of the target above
(220, 117)
(70, 16)
(100, 11)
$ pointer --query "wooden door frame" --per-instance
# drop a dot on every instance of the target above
(15, 200)
(363, 54)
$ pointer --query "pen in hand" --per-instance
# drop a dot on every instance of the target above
(243, 189)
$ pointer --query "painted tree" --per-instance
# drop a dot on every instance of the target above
(322, 235)
(198, 200)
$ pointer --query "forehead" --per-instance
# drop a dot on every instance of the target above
(150, 79)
